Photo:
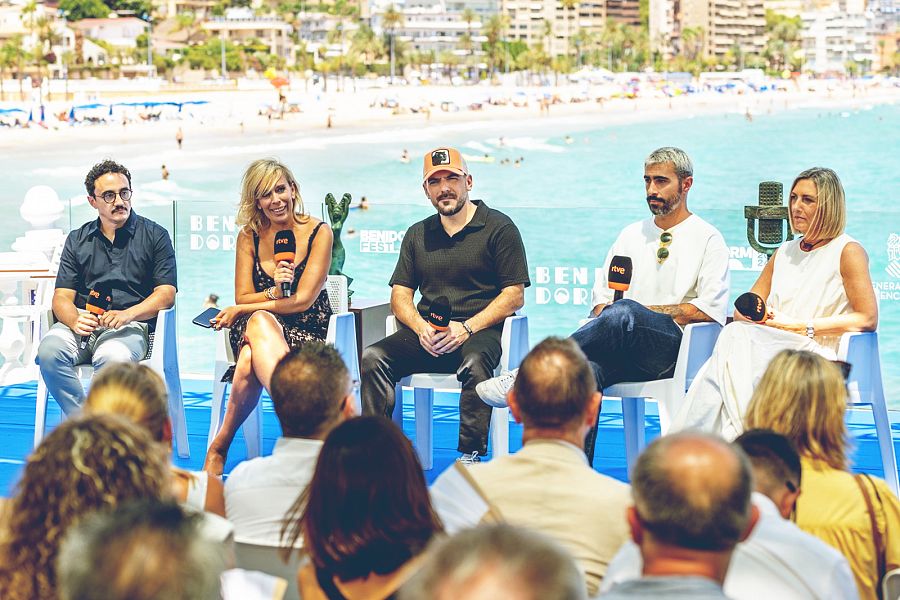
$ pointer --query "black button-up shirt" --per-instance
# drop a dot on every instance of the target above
(469, 268)
(140, 258)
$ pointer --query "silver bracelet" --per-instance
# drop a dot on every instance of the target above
(467, 328)
(270, 293)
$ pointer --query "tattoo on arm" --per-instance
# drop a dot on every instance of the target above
(682, 314)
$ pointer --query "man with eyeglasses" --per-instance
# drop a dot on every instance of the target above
(680, 276)
(471, 256)
(123, 254)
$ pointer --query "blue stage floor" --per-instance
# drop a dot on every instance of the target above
(17, 430)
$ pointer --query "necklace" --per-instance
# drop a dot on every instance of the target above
(808, 246)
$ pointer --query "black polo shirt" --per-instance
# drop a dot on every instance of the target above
(469, 268)
(139, 259)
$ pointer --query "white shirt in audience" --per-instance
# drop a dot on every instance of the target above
(260, 491)
(777, 562)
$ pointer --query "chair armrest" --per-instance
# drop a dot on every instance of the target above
(224, 351)
(513, 342)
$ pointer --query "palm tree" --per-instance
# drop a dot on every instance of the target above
(569, 6)
(390, 21)
(8, 52)
(494, 30)
(469, 16)
(187, 22)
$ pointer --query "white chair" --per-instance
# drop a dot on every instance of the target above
(866, 388)
(514, 347)
(891, 585)
(162, 357)
(341, 334)
(267, 559)
(696, 347)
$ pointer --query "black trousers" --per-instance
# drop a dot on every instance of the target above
(396, 356)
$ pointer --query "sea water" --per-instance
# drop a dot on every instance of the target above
(577, 183)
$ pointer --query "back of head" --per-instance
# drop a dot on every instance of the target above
(494, 562)
(554, 384)
(775, 461)
(803, 397)
(133, 391)
(367, 508)
(142, 550)
(308, 388)
(86, 464)
(692, 490)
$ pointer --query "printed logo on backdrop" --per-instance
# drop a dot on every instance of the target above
(745, 258)
(213, 232)
(380, 241)
(890, 290)
(565, 285)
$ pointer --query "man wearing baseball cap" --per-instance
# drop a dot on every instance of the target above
(471, 255)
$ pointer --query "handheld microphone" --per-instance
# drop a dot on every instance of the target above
(285, 249)
(439, 313)
(751, 306)
(619, 277)
(99, 301)
(771, 215)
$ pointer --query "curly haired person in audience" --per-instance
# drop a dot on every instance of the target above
(803, 396)
(366, 516)
(85, 465)
(138, 393)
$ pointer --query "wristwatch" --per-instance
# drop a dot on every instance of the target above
(810, 330)
(467, 328)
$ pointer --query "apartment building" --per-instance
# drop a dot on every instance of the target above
(834, 39)
(726, 25)
(240, 25)
(434, 26)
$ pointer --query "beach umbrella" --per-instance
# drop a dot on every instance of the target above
(42, 113)
(110, 109)
(72, 115)
(279, 81)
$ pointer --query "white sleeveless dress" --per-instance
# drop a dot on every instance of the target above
(805, 285)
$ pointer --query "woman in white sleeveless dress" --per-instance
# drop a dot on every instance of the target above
(816, 288)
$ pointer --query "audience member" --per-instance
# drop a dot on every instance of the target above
(365, 517)
(691, 507)
(312, 393)
(143, 550)
(85, 465)
(496, 562)
(803, 396)
(548, 485)
(138, 393)
(778, 560)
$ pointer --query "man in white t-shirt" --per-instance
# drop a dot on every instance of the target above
(312, 393)
(680, 276)
(778, 560)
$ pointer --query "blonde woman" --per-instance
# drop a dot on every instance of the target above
(136, 392)
(264, 324)
(85, 465)
(803, 397)
(815, 287)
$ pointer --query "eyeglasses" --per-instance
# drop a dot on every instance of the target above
(109, 196)
(278, 189)
(665, 238)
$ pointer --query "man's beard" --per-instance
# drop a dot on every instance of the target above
(667, 206)
(449, 211)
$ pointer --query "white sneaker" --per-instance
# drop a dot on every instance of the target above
(469, 458)
(493, 391)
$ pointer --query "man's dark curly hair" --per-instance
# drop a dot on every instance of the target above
(101, 169)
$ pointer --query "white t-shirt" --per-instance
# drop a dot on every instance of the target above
(696, 271)
(259, 492)
(778, 561)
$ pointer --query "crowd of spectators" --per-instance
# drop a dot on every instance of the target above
(100, 512)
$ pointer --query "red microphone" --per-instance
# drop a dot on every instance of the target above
(98, 302)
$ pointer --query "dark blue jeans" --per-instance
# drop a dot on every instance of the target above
(628, 342)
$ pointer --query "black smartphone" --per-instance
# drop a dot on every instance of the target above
(203, 318)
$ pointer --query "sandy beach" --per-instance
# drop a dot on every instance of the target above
(231, 114)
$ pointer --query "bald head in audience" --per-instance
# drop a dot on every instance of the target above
(496, 562)
(555, 394)
(691, 505)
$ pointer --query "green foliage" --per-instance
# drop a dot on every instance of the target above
(75, 10)
(208, 56)
(139, 8)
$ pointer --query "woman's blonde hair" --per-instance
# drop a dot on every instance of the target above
(260, 178)
(803, 397)
(85, 465)
(134, 391)
(831, 211)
